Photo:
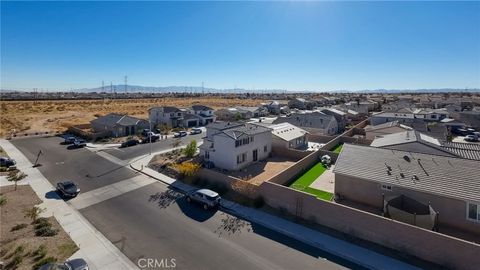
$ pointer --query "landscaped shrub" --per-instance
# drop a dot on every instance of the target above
(3, 200)
(46, 232)
(42, 220)
(18, 227)
(40, 252)
(16, 260)
(186, 168)
(44, 261)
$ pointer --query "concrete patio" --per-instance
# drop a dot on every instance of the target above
(326, 181)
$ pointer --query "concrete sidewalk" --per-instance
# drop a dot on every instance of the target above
(327, 243)
(97, 250)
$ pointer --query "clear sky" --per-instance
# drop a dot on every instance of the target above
(261, 45)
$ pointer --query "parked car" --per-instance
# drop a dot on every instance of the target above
(195, 131)
(179, 134)
(7, 162)
(471, 138)
(70, 140)
(130, 143)
(150, 135)
(75, 264)
(67, 189)
(79, 143)
(205, 197)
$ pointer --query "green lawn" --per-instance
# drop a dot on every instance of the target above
(337, 148)
(307, 179)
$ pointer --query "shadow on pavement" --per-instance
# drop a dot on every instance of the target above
(191, 210)
(302, 247)
(53, 194)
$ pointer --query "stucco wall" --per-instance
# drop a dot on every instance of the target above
(452, 212)
(428, 245)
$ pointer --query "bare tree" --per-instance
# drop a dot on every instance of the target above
(16, 176)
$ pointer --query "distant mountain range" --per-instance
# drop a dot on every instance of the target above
(197, 89)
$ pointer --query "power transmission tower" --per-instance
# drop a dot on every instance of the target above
(126, 84)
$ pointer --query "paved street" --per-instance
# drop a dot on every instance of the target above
(155, 222)
(147, 220)
(87, 169)
(143, 149)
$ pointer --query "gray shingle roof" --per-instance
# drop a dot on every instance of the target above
(307, 120)
(201, 108)
(287, 131)
(246, 129)
(113, 119)
(450, 177)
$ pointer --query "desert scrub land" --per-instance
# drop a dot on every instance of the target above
(58, 115)
(24, 243)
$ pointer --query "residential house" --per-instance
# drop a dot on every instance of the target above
(205, 114)
(166, 116)
(301, 104)
(340, 116)
(233, 146)
(406, 114)
(314, 122)
(288, 136)
(372, 132)
(240, 113)
(448, 186)
(118, 125)
(414, 141)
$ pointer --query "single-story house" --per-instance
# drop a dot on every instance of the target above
(288, 136)
(118, 125)
(372, 176)
(312, 121)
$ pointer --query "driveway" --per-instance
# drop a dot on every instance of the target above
(155, 222)
(87, 169)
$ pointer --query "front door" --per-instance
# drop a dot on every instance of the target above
(255, 155)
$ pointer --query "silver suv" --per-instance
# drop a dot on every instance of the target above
(205, 197)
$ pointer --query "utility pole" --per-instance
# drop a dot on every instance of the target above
(103, 86)
(126, 84)
(203, 90)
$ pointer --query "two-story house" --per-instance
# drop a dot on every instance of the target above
(233, 146)
(205, 114)
(166, 115)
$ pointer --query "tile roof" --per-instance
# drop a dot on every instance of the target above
(113, 119)
(287, 131)
(444, 176)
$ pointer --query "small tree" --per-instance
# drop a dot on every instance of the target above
(33, 212)
(16, 176)
(164, 129)
(238, 116)
(191, 149)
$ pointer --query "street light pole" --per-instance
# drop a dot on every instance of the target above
(150, 135)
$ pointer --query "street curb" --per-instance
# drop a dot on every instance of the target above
(287, 233)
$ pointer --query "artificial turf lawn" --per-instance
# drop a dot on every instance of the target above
(338, 148)
(307, 179)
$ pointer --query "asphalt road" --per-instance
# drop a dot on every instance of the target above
(88, 170)
(155, 222)
(143, 149)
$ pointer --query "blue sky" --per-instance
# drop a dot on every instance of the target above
(261, 45)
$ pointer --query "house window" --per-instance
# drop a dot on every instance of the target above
(207, 154)
(265, 149)
(251, 139)
(473, 211)
(241, 158)
(386, 187)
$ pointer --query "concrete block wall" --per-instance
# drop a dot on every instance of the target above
(428, 245)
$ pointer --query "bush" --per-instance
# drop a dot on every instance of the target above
(186, 168)
(40, 252)
(18, 227)
(42, 220)
(17, 259)
(44, 261)
(46, 232)
(3, 200)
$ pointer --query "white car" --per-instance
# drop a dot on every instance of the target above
(205, 197)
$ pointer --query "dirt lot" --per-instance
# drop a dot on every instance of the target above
(260, 172)
(22, 243)
(57, 115)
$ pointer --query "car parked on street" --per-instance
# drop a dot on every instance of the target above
(69, 140)
(129, 143)
(7, 162)
(150, 136)
(195, 131)
(205, 197)
(67, 189)
(79, 143)
(75, 264)
(471, 138)
(179, 134)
